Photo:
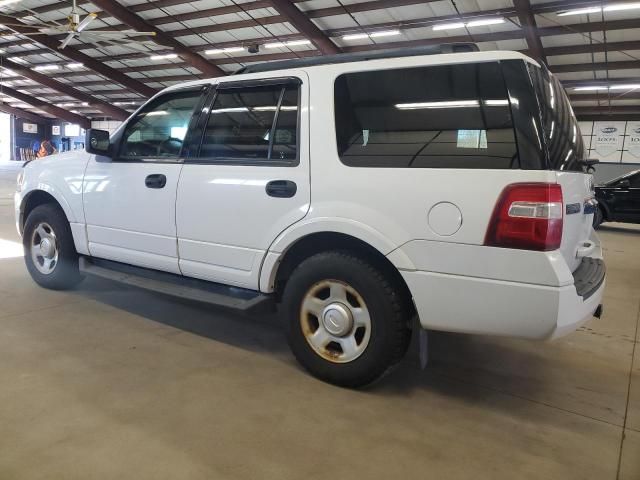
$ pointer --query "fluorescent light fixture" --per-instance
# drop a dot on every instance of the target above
(485, 21)
(163, 57)
(85, 104)
(448, 26)
(17, 60)
(632, 86)
(591, 88)
(295, 43)
(43, 68)
(75, 65)
(124, 103)
(216, 51)
(275, 45)
(157, 113)
(385, 33)
(445, 104)
(291, 43)
(580, 11)
(474, 23)
(355, 36)
(382, 33)
(621, 6)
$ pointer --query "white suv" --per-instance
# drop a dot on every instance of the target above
(359, 191)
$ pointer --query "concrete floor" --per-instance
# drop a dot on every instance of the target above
(108, 382)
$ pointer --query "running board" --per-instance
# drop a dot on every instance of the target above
(178, 285)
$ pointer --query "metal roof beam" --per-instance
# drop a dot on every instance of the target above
(589, 67)
(51, 109)
(606, 110)
(302, 23)
(20, 113)
(530, 29)
(603, 96)
(136, 22)
(109, 109)
(77, 56)
(593, 48)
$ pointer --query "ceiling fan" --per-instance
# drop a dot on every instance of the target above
(76, 28)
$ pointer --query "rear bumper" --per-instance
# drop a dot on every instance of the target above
(493, 307)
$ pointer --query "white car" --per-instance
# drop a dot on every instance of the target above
(359, 191)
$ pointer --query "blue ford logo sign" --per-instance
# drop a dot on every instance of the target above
(609, 130)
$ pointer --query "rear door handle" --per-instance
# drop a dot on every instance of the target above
(156, 180)
(281, 188)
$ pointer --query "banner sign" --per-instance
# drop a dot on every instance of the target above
(30, 127)
(607, 138)
(633, 139)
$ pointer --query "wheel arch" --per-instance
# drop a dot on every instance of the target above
(283, 264)
(36, 198)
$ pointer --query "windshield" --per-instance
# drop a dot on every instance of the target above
(561, 131)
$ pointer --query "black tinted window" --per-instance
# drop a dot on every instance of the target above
(452, 116)
(253, 123)
(159, 129)
(561, 130)
(634, 180)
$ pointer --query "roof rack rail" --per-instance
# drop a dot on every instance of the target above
(359, 56)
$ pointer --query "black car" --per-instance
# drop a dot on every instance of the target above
(619, 200)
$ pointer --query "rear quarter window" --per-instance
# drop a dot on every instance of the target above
(561, 131)
(445, 116)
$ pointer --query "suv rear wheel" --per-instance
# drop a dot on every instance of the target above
(346, 322)
(50, 253)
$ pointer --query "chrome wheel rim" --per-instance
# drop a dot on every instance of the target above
(335, 321)
(44, 248)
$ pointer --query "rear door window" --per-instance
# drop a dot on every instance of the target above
(446, 116)
(253, 125)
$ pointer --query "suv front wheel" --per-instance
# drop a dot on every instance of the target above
(49, 251)
(346, 322)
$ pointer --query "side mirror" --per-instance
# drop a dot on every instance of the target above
(97, 142)
(625, 183)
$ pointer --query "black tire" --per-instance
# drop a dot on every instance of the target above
(598, 217)
(388, 311)
(64, 271)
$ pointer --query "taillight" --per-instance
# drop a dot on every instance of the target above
(527, 216)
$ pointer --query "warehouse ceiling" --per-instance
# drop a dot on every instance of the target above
(592, 46)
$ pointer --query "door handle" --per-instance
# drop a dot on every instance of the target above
(281, 188)
(156, 180)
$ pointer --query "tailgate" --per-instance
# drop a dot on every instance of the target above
(577, 193)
